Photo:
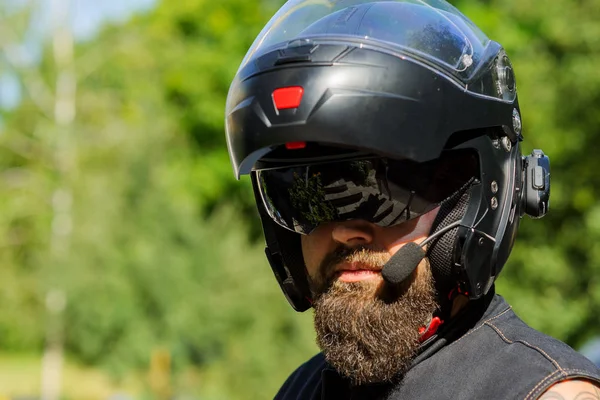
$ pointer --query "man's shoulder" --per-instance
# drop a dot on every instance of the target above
(498, 352)
(304, 380)
(530, 360)
(529, 345)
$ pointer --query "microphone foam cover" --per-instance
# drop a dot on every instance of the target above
(403, 263)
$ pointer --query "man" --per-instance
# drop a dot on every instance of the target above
(383, 143)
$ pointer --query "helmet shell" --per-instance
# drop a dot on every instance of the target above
(401, 79)
(395, 77)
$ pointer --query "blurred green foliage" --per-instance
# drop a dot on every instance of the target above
(165, 248)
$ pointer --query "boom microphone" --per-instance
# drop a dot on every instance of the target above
(408, 257)
(403, 263)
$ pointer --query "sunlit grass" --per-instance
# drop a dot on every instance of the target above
(20, 376)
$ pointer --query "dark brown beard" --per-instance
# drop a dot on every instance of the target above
(368, 331)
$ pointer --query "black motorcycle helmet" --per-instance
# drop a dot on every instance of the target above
(383, 110)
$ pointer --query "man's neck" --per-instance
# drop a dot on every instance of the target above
(458, 304)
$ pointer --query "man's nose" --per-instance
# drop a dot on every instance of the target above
(353, 233)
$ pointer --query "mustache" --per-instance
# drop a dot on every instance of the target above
(362, 255)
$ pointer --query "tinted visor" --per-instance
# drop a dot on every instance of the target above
(383, 191)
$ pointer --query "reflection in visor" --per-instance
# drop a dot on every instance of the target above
(381, 191)
(362, 194)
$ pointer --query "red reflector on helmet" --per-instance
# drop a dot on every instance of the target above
(288, 97)
(295, 145)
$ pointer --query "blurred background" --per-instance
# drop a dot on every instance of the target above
(131, 261)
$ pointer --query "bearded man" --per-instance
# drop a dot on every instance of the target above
(383, 143)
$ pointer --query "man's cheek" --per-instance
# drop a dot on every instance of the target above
(308, 254)
(312, 261)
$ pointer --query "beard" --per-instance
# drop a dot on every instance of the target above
(369, 330)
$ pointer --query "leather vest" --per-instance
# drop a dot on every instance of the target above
(495, 356)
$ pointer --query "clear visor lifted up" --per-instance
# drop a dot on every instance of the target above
(431, 30)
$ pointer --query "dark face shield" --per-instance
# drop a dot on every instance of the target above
(379, 190)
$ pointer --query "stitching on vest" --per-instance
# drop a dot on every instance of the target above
(556, 364)
(539, 384)
(482, 324)
(586, 375)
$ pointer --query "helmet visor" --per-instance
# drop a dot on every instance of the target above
(382, 191)
(430, 29)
